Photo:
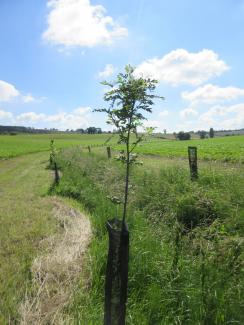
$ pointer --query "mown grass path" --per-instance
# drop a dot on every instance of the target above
(27, 219)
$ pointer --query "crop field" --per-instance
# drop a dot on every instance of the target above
(186, 247)
(228, 149)
(11, 146)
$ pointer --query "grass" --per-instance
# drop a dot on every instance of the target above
(11, 146)
(55, 272)
(25, 220)
(228, 149)
(185, 248)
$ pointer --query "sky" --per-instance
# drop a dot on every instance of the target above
(54, 55)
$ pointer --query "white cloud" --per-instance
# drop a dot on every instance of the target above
(75, 119)
(107, 72)
(183, 67)
(163, 113)
(30, 117)
(153, 123)
(185, 113)
(5, 115)
(219, 117)
(28, 98)
(187, 125)
(7, 91)
(211, 94)
(220, 112)
(159, 124)
(82, 110)
(79, 23)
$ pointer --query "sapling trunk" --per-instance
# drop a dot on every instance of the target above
(127, 175)
(56, 178)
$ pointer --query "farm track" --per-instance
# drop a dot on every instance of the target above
(55, 272)
(42, 243)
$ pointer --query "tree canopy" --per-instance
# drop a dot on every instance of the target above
(130, 97)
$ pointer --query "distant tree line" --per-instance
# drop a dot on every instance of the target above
(22, 129)
(13, 130)
(90, 130)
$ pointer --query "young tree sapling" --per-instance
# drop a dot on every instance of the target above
(129, 97)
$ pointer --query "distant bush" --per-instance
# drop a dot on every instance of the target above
(202, 134)
(183, 135)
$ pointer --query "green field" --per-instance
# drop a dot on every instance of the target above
(11, 146)
(228, 149)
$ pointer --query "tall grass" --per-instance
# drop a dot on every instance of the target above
(185, 248)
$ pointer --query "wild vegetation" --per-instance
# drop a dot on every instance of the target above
(186, 247)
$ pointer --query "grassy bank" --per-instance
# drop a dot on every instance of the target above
(185, 255)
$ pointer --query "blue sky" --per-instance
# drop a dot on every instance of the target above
(53, 55)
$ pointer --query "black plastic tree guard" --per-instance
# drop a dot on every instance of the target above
(192, 156)
(116, 273)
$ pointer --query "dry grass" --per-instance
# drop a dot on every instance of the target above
(55, 273)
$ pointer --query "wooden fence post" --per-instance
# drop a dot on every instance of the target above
(192, 156)
(89, 149)
(109, 152)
